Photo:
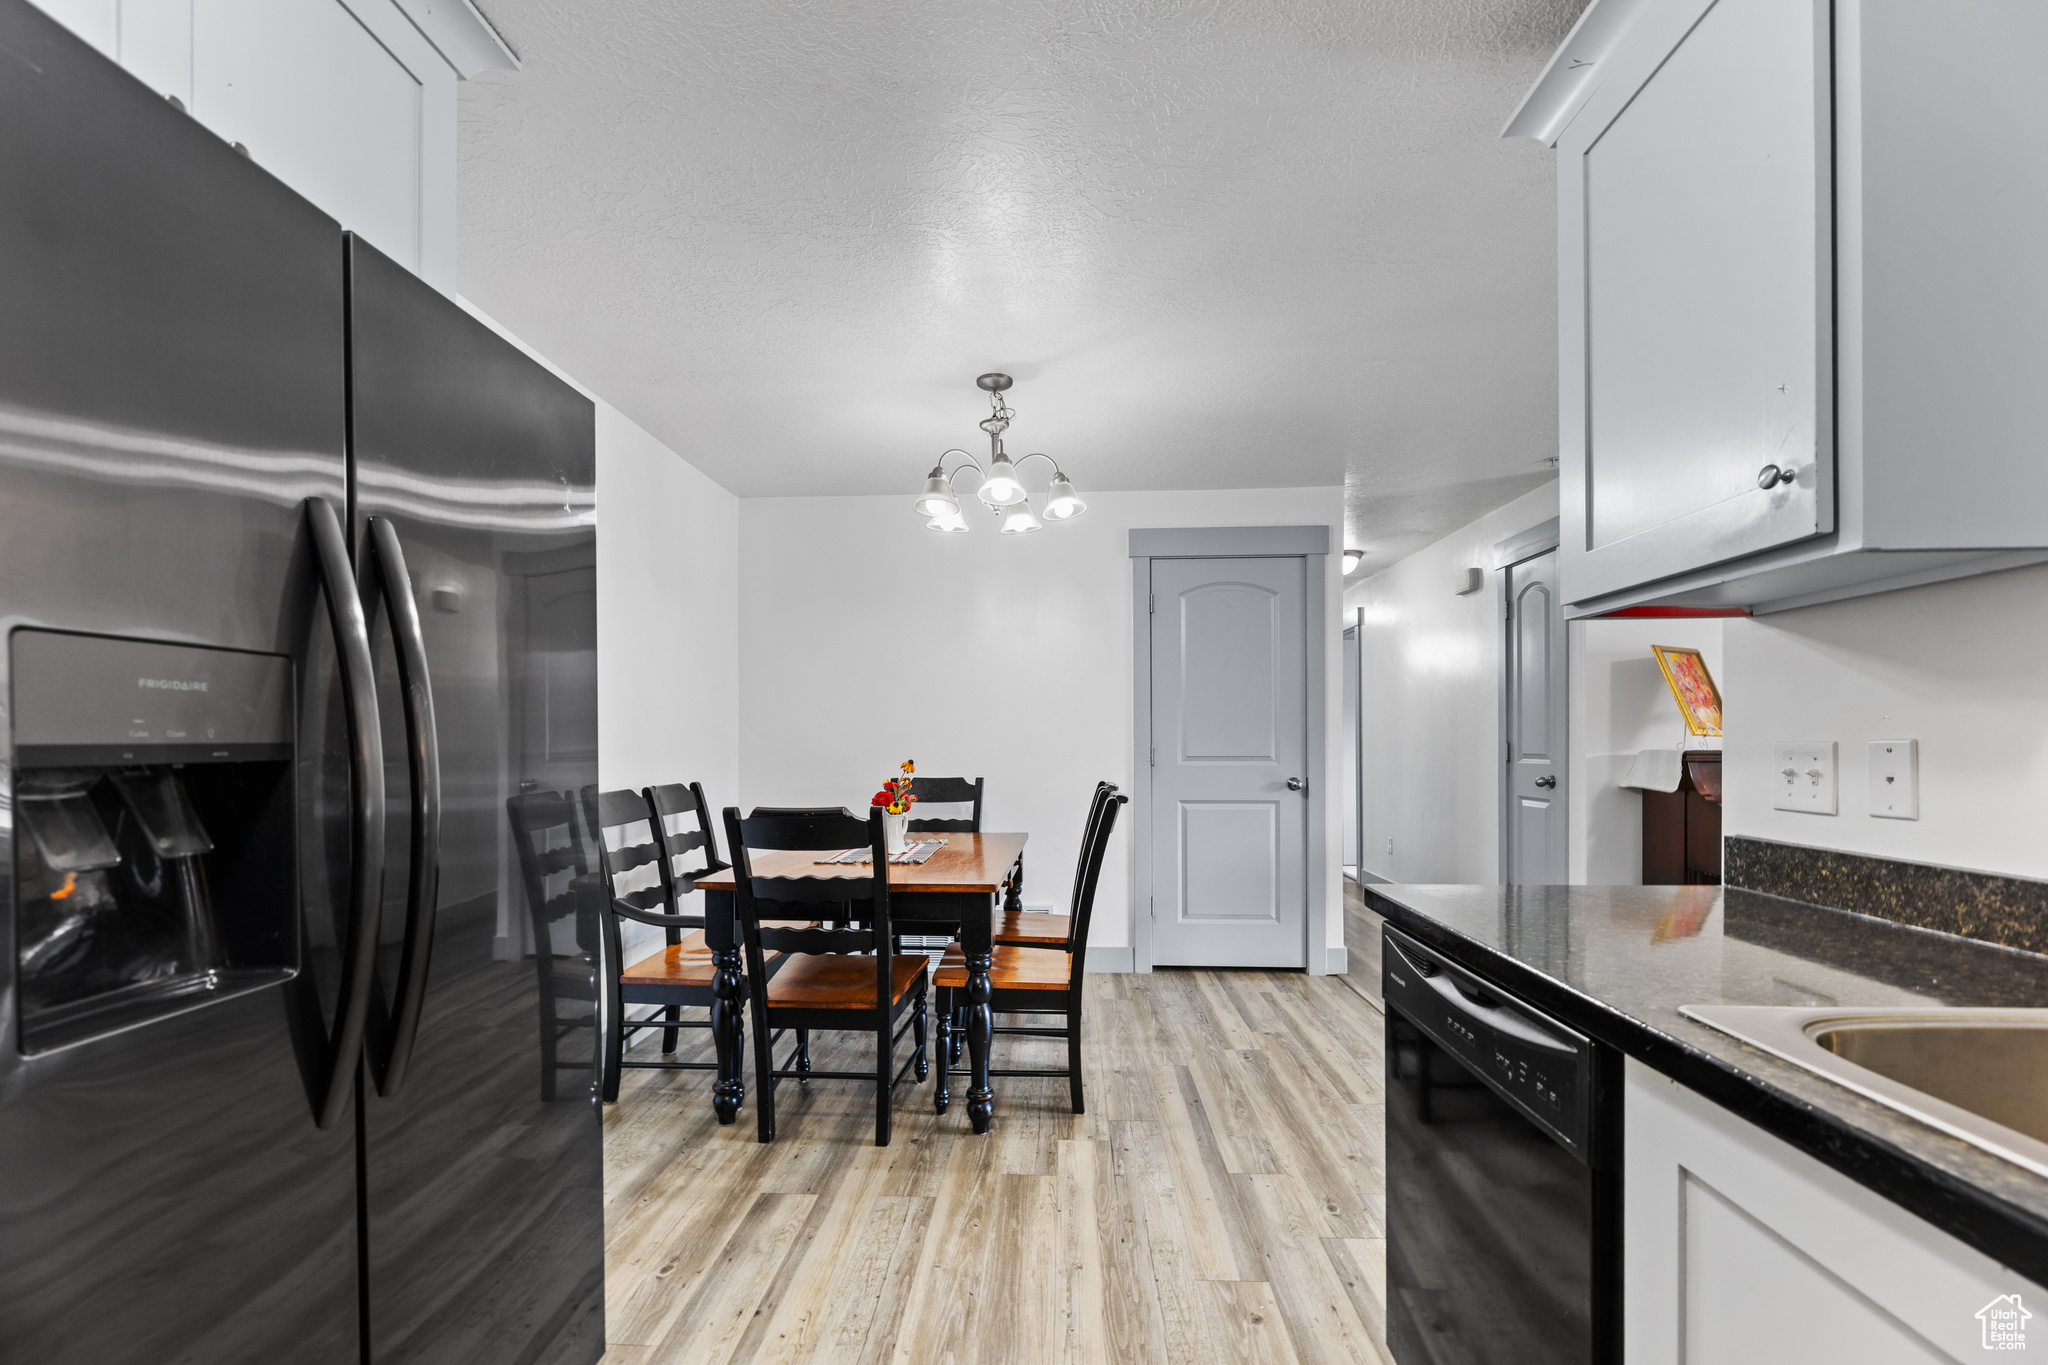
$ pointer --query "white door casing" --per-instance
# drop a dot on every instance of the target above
(1228, 837)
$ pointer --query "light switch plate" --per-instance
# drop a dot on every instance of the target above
(1895, 779)
(1804, 774)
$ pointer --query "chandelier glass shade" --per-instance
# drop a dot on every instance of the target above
(1002, 487)
(999, 487)
(937, 500)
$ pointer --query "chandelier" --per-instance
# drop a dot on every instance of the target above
(1000, 490)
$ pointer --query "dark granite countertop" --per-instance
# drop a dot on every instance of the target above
(1617, 962)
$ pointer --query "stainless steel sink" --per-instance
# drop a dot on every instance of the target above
(1977, 1074)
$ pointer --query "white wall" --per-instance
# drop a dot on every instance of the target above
(1962, 667)
(865, 639)
(668, 678)
(1621, 705)
(1430, 701)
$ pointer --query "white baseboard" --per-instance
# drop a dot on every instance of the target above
(1365, 877)
(1335, 960)
(1118, 959)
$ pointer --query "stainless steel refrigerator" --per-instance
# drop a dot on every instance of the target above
(297, 584)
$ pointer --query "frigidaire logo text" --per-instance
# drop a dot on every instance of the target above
(172, 684)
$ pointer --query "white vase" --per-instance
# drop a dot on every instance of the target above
(895, 832)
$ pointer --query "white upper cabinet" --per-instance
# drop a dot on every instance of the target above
(350, 102)
(1800, 327)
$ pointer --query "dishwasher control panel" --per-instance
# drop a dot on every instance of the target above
(1535, 1063)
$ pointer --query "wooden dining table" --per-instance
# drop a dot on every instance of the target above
(953, 891)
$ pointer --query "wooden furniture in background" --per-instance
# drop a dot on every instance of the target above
(551, 848)
(849, 979)
(1018, 929)
(1682, 829)
(946, 791)
(953, 892)
(676, 978)
(1038, 980)
(958, 791)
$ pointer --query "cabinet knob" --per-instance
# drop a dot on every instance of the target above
(1546, 782)
(1770, 476)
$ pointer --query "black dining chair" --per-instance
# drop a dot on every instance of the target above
(948, 791)
(945, 791)
(1021, 929)
(1017, 929)
(843, 979)
(687, 836)
(683, 825)
(553, 866)
(1036, 981)
(676, 978)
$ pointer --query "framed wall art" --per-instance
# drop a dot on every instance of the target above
(1692, 686)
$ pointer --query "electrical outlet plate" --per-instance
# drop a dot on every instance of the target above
(1895, 779)
(1804, 776)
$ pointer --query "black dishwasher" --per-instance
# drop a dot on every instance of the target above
(1503, 1175)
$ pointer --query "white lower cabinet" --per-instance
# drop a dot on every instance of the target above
(1740, 1250)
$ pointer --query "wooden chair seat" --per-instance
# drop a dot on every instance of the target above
(1013, 969)
(689, 963)
(679, 964)
(838, 981)
(1031, 980)
(1018, 929)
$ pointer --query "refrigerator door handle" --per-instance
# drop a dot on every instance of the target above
(595, 889)
(366, 810)
(423, 758)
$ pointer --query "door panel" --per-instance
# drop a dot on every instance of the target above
(1227, 699)
(483, 1171)
(1536, 717)
(1230, 860)
(1229, 717)
(170, 391)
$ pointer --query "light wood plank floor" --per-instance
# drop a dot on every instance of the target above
(1222, 1199)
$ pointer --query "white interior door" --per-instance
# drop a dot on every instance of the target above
(1229, 828)
(1536, 718)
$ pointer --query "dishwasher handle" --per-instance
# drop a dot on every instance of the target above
(1470, 999)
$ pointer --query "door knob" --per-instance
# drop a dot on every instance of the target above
(1295, 784)
(1546, 782)
(1770, 476)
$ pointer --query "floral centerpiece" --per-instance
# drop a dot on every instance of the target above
(895, 798)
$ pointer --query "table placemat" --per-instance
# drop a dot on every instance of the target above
(916, 851)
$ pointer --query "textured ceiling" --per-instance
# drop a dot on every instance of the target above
(1219, 243)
